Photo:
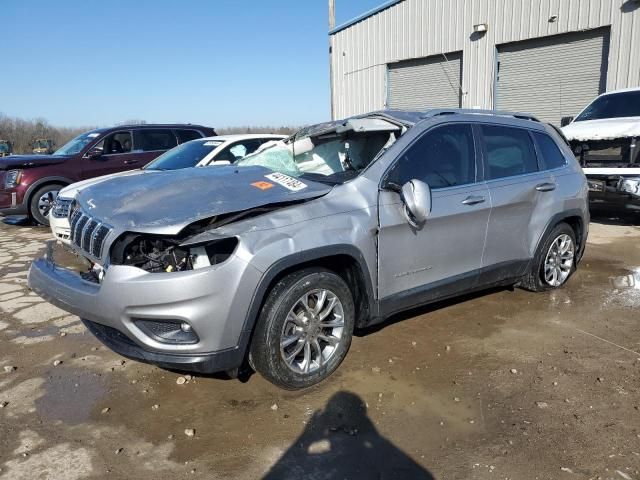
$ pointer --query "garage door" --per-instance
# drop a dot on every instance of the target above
(552, 77)
(425, 83)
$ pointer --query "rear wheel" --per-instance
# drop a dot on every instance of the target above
(304, 330)
(554, 262)
(42, 201)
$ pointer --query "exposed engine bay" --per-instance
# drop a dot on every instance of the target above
(158, 254)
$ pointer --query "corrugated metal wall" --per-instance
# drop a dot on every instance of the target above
(420, 28)
(552, 77)
(425, 83)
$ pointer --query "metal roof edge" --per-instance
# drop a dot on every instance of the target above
(364, 16)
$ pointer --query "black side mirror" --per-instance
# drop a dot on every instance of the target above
(94, 153)
(566, 121)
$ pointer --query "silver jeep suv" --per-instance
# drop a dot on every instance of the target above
(275, 260)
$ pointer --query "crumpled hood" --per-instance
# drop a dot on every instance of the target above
(29, 161)
(70, 191)
(605, 129)
(166, 202)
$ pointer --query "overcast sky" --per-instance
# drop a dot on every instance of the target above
(216, 62)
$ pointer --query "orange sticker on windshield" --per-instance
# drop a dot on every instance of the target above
(263, 185)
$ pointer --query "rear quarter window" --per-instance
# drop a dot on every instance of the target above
(187, 135)
(551, 155)
(509, 152)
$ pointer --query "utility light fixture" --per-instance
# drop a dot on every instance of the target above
(480, 28)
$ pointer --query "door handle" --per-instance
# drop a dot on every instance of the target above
(546, 187)
(130, 162)
(473, 200)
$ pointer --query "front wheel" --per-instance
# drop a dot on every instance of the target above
(304, 330)
(41, 202)
(554, 262)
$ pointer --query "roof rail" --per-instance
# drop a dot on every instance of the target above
(476, 111)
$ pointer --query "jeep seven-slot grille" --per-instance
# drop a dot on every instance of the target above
(87, 233)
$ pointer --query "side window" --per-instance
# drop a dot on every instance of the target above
(151, 140)
(115, 143)
(238, 150)
(187, 135)
(442, 157)
(551, 155)
(510, 151)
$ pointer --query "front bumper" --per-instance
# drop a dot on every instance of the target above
(610, 191)
(214, 301)
(11, 203)
(60, 228)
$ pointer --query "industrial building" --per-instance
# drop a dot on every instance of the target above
(546, 57)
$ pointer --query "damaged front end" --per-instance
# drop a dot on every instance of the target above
(613, 153)
(157, 254)
(612, 168)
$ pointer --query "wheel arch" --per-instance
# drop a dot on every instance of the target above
(42, 182)
(345, 260)
(575, 219)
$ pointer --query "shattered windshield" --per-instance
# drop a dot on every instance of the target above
(333, 158)
(623, 104)
(184, 156)
(77, 144)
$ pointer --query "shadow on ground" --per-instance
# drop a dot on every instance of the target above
(18, 221)
(342, 442)
(615, 217)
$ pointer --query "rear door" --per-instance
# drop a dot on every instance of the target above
(521, 196)
(150, 143)
(443, 256)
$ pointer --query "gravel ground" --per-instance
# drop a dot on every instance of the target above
(505, 384)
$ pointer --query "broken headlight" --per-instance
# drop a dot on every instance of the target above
(166, 254)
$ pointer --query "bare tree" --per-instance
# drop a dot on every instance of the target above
(22, 133)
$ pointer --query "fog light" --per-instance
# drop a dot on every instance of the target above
(167, 331)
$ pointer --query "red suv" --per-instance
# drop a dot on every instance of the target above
(30, 183)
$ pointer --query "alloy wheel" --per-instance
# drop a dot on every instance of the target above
(45, 202)
(559, 260)
(312, 331)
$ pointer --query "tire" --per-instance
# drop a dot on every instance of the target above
(38, 211)
(284, 317)
(536, 280)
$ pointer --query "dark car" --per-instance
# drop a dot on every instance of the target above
(30, 183)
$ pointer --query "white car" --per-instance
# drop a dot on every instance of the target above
(220, 150)
(605, 137)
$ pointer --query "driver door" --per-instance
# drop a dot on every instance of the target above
(116, 156)
(443, 256)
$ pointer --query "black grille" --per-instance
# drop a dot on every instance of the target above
(77, 232)
(98, 240)
(61, 207)
(73, 220)
(108, 335)
(88, 233)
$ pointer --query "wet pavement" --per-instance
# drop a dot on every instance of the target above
(505, 384)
